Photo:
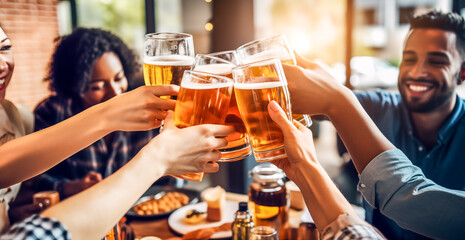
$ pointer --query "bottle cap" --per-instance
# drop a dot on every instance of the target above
(243, 206)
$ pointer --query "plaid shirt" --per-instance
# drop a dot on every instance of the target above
(37, 227)
(97, 157)
(347, 227)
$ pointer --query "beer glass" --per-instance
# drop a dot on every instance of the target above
(166, 57)
(256, 85)
(238, 144)
(272, 47)
(203, 99)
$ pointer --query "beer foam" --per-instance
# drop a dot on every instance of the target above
(170, 60)
(192, 85)
(219, 69)
(272, 53)
(261, 85)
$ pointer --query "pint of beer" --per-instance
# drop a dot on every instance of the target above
(238, 144)
(203, 99)
(272, 47)
(166, 57)
(255, 86)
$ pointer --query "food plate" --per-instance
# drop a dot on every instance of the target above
(157, 192)
(177, 223)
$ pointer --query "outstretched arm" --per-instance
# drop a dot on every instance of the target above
(324, 201)
(28, 156)
(331, 212)
(92, 213)
(315, 91)
(388, 179)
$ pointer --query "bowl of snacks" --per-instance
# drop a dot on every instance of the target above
(162, 201)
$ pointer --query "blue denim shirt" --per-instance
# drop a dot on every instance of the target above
(444, 164)
(391, 183)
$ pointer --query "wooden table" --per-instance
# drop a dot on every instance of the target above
(161, 229)
(158, 228)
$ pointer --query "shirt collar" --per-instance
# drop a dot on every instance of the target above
(450, 125)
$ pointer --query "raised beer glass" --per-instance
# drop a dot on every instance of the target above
(256, 85)
(166, 57)
(238, 144)
(272, 47)
(203, 99)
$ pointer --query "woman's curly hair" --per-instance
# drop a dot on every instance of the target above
(74, 57)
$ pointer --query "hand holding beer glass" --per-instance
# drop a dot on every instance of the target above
(166, 57)
(238, 145)
(203, 99)
(272, 47)
(256, 85)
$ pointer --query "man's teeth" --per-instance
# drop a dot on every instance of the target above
(418, 88)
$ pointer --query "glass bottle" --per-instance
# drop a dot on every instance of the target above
(242, 223)
(268, 198)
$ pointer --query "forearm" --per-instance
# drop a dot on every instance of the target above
(401, 187)
(360, 135)
(33, 154)
(324, 201)
(92, 213)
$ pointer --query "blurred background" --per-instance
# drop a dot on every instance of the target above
(364, 37)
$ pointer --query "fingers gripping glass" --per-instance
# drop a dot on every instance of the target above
(272, 47)
(238, 144)
(255, 86)
(203, 99)
(166, 57)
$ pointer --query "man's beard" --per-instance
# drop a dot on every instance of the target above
(441, 95)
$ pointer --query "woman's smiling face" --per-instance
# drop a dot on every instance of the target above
(6, 63)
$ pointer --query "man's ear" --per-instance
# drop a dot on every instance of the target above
(462, 74)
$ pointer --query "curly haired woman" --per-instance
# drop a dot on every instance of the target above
(89, 66)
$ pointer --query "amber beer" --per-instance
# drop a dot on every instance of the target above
(202, 99)
(238, 146)
(272, 47)
(166, 56)
(265, 135)
(162, 70)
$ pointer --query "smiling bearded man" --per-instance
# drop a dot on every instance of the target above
(427, 119)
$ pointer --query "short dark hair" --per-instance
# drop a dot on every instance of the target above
(75, 55)
(447, 21)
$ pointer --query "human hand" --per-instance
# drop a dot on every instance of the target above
(19, 213)
(76, 186)
(140, 109)
(314, 90)
(303, 62)
(188, 150)
(298, 141)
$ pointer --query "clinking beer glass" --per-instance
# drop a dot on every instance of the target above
(238, 144)
(203, 99)
(255, 86)
(166, 57)
(271, 47)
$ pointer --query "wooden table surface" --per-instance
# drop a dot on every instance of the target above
(161, 229)
(158, 228)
